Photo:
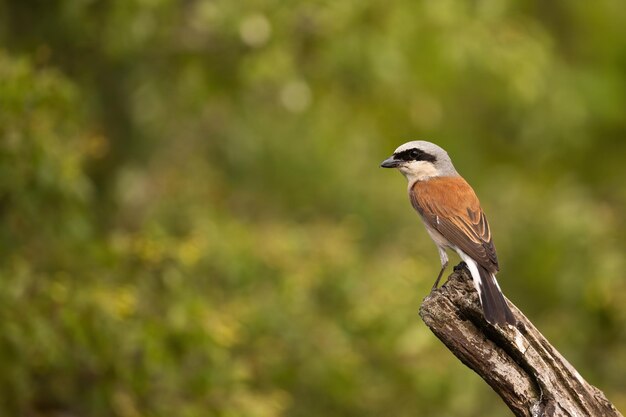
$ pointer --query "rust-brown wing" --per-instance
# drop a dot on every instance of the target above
(450, 206)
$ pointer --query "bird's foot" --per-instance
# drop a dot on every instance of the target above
(460, 266)
(436, 284)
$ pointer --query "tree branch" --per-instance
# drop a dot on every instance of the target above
(519, 364)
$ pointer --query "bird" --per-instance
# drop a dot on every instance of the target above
(454, 219)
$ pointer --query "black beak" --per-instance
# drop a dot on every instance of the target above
(390, 163)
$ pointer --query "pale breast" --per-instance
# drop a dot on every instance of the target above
(437, 237)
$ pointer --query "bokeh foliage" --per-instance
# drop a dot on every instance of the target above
(194, 222)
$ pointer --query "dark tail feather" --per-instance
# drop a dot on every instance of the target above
(494, 305)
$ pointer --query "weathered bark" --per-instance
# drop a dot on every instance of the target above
(528, 373)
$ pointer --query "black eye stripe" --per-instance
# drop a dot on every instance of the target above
(414, 154)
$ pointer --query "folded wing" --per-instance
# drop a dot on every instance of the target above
(450, 206)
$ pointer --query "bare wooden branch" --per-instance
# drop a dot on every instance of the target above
(519, 363)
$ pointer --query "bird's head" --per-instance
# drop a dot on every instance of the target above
(419, 160)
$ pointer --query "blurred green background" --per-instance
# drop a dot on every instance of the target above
(194, 222)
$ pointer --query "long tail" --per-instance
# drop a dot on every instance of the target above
(494, 305)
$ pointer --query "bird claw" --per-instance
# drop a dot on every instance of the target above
(460, 266)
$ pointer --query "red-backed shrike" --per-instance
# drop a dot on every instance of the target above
(453, 218)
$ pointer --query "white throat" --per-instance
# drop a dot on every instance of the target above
(418, 171)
